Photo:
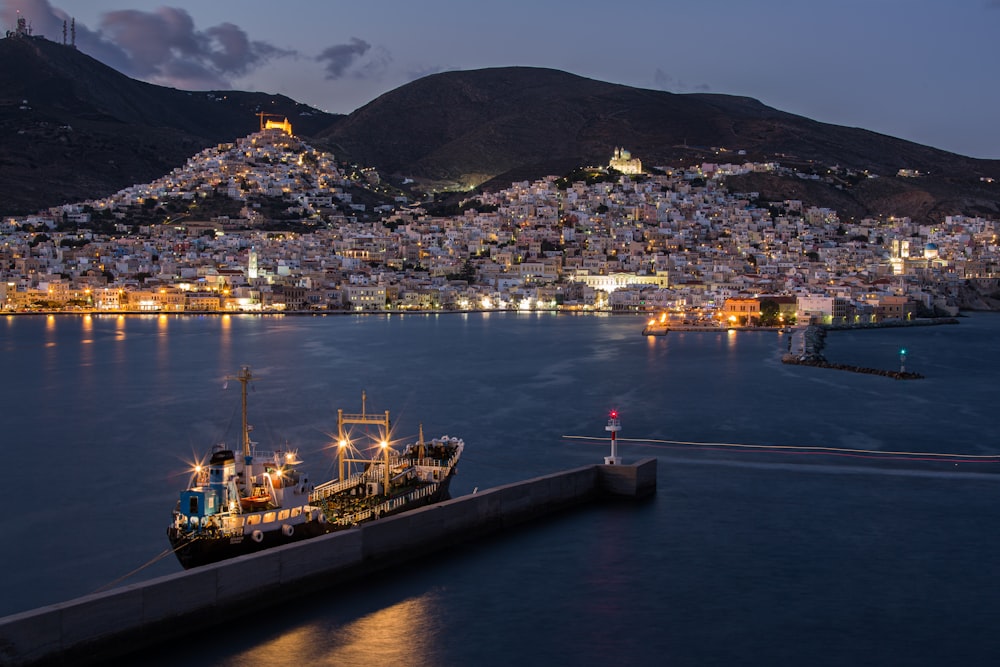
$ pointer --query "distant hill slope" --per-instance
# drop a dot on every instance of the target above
(75, 129)
(459, 129)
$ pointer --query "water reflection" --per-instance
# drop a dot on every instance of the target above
(162, 346)
(402, 634)
(51, 355)
(87, 341)
(731, 335)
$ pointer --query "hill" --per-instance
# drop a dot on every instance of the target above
(460, 129)
(76, 129)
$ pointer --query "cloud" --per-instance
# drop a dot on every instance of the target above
(421, 72)
(666, 82)
(375, 66)
(232, 51)
(340, 57)
(162, 46)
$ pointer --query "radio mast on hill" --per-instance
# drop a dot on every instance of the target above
(72, 32)
(22, 29)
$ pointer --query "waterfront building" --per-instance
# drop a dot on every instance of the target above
(365, 297)
(741, 311)
(814, 309)
(613, 281)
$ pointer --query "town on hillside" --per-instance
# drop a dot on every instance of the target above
(269, 224)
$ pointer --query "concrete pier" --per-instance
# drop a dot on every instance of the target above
(104, 626)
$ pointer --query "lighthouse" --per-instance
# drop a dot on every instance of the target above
(613, 426)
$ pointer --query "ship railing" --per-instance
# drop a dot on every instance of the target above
(399, 501)
(439, 463)
(389, 505)
(428, 462)
(278, 456)
(328, 489)
(263, 454)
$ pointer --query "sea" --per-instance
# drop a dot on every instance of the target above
(803, 516)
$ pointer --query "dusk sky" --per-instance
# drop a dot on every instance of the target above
(921, 70)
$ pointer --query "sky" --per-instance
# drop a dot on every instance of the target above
(921, 70)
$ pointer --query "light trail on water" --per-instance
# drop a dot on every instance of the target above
(848, 452)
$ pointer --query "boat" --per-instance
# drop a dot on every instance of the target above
(237, 505)
(656, 326)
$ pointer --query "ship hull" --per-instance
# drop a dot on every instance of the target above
(197, 551)
(442, 493)
(203, 550)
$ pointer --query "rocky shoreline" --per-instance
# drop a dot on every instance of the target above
(822, 363)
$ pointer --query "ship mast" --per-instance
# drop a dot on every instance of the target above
(364, 419)
(245, 377)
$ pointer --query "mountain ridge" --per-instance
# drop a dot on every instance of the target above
(81, 130)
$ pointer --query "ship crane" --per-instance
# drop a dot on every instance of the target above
(614, 425)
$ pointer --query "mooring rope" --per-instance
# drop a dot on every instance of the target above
(155, 559)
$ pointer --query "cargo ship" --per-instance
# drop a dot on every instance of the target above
(247, 501)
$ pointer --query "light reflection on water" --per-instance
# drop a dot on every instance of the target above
(402, 632)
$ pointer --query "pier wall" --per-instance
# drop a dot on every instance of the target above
(103, 626)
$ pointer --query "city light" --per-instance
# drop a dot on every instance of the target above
(663, 242)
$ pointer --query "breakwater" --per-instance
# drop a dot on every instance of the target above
(812, 342)
(822, 363)
(107, 626)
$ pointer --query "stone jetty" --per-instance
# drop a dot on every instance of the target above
(813, 343)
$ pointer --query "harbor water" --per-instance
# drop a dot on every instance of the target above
(841, 535)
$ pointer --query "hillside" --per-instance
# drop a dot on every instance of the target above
(76, 129)
(461, 129)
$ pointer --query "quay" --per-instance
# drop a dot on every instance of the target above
(103, 627)
(664, 329)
